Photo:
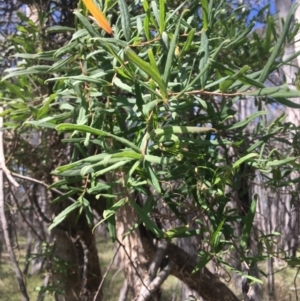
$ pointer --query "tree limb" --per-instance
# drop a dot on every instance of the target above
(205, 283)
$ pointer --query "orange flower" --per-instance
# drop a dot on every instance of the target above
(98, 15)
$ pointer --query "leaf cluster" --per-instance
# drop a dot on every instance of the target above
(153, 108)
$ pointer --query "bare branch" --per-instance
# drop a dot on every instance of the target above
(24, 218)
(154, 282)
(105, 274)
(154, 285)
(41, 183)
(5, 225)
(158, 258)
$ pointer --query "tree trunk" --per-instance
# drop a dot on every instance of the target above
(78, 271)
(138, 251)
(131, 253)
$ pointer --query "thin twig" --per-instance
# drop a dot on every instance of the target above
(295, 284)
(41, 183)
(131, 262)
(85, 266)
(23, 216)
(5, 225)
(105, 274)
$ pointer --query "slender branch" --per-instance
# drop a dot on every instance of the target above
(124, 291)
(158, 258)
(203, 92)
(85, 264)
(295, 283)
(105, 274)
(5, 225)
(41, 183)
(24, 218)
(153, 282)
(131, 262)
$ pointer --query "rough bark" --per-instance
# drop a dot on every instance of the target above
(80, 274)
(138, 251)
(206, 284)
(131, 252)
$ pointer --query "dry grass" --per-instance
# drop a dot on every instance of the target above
(285, 280)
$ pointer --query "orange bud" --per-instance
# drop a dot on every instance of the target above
(98, 15)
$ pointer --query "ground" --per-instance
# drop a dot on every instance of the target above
(285, 279)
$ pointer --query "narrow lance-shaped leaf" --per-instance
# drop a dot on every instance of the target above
(245, 122)
(168, 130)
(204, 14)
(146, 220)
(229, 82)
(278, 46)
(171, 52)
(248, 223)
(216, 236)
(59, 218)
(111, 211)
(147, 68)
(98, 15)
(204, 59)
(125, 19)
(207, 65)
(40, 69)
(162, 23)
(111, 221)
(87, 129)
(152, 177)
(244, 159)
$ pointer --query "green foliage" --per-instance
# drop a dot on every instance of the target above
(156, 104)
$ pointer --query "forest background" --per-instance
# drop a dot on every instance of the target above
(174, 131)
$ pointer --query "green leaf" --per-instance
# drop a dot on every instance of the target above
(181, 231)
(171, 53)
(146, 220)
(69, 127)
(122, 85)
(161, 160)
(189, 41)
(278, 46)
(216, 237)
(125, 19)
(224, 86)
(248, 223)
(111, 221)
(152, 60)
(115, 166)
(205, 257)
(281, 162)
(58, 28)
(245, 122)
(244, 159)
(204, 58)
(62, 215)
(86, 24)
(168, 130)
(111, 211)
(148, 69)
(204, 5)
(162, 13)
(88, 212)
(147, 20)
(152, 177)
(40, 69)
